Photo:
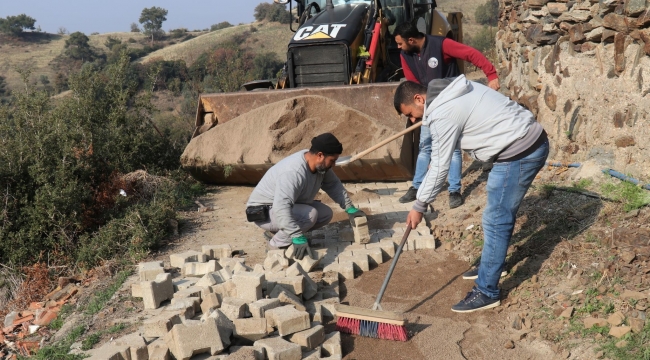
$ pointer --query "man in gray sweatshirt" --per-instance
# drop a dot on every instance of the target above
(288, 190)
(467, 115)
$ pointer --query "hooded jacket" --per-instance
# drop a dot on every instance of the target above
(470, 116)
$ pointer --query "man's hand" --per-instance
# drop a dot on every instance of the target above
(494, 84)
(301, 247)
(354, 213)
(414, 218)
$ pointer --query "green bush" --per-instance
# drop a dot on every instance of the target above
(266, 66)
(221, 25)
(484, 40)
(60, 164)
(14, 25)
(272, 12)
(488, 13)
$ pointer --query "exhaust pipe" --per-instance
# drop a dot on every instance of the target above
(329, 5)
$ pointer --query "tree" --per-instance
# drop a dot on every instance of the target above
(221, 25)
(152, 19)
(272, 12)
(488, 13)
(62, 30)
(3, 86)
(77, 47)
(14, 25)
(267, 66)
(134, 27)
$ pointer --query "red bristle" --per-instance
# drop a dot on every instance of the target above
(392, 332)
(348, 325)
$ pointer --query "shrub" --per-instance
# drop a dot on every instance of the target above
(488, 13)
(272, 12)
(14, 25)
(221, 25)
(267, 65)
(484, 40)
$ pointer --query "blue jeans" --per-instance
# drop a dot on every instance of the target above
(506, 186)
(424, 157)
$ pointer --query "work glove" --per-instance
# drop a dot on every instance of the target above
(301, 247)
(354, 213)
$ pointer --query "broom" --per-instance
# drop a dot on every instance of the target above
(375, 323)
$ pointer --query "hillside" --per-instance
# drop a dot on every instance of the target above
(268, 36)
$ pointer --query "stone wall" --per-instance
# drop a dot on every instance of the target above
(583, 68)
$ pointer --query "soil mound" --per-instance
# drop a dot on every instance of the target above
(270, 133)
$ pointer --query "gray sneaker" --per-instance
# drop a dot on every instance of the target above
(473, 274)
(455, 200)
(268, 235)
(411, 195)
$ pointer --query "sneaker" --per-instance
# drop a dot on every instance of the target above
(268, 235)
(473, 274)
(411, 195)
(475, 300)
(455, 200)
(271, 247)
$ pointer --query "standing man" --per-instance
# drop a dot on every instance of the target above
(283, 202)
(488, 125)
(428, 57)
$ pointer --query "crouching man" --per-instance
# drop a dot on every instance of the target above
(467, 115)
(283, 202)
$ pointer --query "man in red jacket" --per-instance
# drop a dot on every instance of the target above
(428, 57)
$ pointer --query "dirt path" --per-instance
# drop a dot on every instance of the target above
(425, 284)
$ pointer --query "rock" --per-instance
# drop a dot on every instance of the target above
(634, 7)
(620, 331)
(551, 101)
(557, 8)
(576, 34)
(622, 142)
(620, 44)
(509, 344)
(578, 16)
(627, 256)
(629, 294)
(567, 313)
(621, 344)
(517, 323)
(616, 318)
(636, 325)
(591, 322)
(595, 34)
(535, 34)
(616, 22)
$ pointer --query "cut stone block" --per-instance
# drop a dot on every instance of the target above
(159, 325)
(195, 302)
(361, 232)
(286, 298)
(158, 350)
(149, 270)
(278, 349)
(217, 251)
(310, 288)
(224, 290)
(231, 262)
(251, 329)
(375, 256)
(344, 268)
(179, 260)
(259, 269)
(234, 308)
(312, 355)
(183, 307)
(271, 279)
(425, 242)
(309, 339)
(332, 344)
(245, 353)
(136, 291)
(112, 352)
(387, 247)
(308, 264)
(184, 283)
(249, 286)
(197, 269)
(210, 302)
(157, 291)
(185, 341)
(193, 291)
(275, 263)
(226, 327)
(323, 310)
(360, 262)
(346, 235)
(136, 344)
(259, 307)
(288, 320)
(293, 284)
(241, 268)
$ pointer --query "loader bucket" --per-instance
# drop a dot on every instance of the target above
(395, 162)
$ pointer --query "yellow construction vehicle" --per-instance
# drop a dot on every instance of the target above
(343, 50)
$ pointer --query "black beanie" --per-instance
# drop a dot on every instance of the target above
(326, 143)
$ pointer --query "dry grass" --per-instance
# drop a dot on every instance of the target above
(272, 37)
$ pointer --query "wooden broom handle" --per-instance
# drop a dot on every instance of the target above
(377, 146)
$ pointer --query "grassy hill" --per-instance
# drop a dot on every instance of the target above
(267, 36)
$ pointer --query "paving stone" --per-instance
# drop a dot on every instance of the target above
(346, 235)
(158, 350)
(249, 286)
(149, 270)
(137, 346)
(332, 344)
(286, 298)
(288, 320)
(271, 280)
(179, 260)
(425, 242)
(225, 325)
(322, 310)
(241, 268)
(259, 269)
(375, 256)
(310, 288)
(275, 263)
(136, 292)
(251, 329)
(197, 269)
(185, 341)
(217, 251)
(259, 307)
(194, 302)
(360, 262)
(309, 339)
(184, 283)
(210, 302)
(312, 354)
(308, 264)
(184, 308)
(293, 284)
(160, 325)
(234, 308)
(231, 263)
(224, 290)
(387, 247)
(344, 268)
(360, 229)
(278, 349)
(157, 291)
(193, 291)
(109, 351)
(245, 353)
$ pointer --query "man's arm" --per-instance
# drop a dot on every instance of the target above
(286, 193)
(408, 74)
(454, 50)
(334, 188)
(444, 140)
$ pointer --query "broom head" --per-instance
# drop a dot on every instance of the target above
(376, 324)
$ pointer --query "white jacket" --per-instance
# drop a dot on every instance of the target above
(473, 117)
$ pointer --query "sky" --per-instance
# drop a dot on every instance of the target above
(103, 16)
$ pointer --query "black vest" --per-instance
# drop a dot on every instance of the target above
(430, 63)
